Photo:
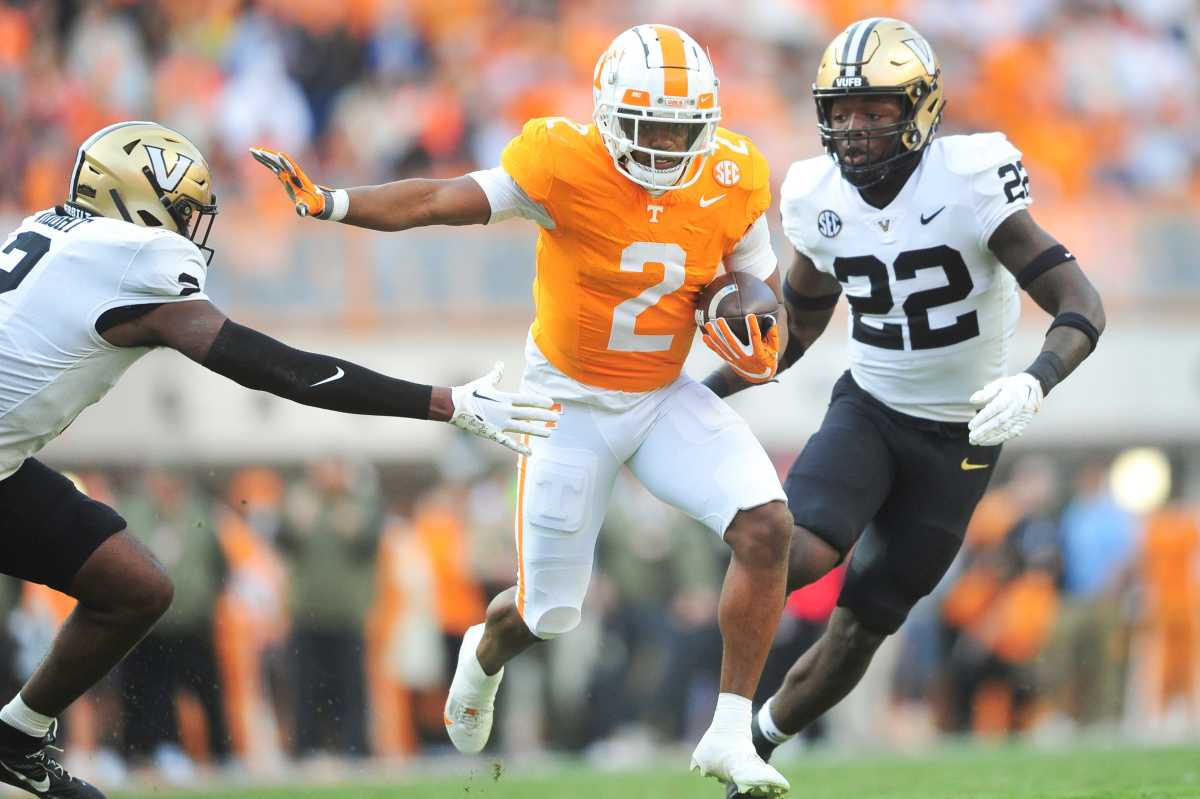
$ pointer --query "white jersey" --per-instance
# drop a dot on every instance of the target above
(59, 272)
(932, 309)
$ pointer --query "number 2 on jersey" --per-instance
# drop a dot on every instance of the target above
(634, 258)
(19, 256)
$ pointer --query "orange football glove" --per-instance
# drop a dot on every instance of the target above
(309, 198)
(757, 362)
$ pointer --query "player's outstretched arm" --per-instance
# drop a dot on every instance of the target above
(1051, 275)
(201, 332)
(398, 205)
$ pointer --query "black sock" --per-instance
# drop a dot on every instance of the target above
(764, 747)
(13, 739)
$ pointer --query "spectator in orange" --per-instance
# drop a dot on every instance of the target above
(251, 616)
(1004, 607)
(1166, 648)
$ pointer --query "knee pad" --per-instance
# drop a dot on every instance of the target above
(557, 539)
(559, 489)
(876, 600)
(555, 622)
(884, 581)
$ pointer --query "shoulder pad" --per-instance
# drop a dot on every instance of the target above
(731, 146)
(979, 152)
(556, 130)
(804, 176)
(533, 158)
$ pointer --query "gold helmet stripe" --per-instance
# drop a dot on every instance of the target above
(856, 41)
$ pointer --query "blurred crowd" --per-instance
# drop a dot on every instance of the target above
(319, 608)
(1099, 94)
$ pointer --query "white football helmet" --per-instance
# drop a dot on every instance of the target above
(656, 75)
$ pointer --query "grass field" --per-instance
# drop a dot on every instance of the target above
(973, 773)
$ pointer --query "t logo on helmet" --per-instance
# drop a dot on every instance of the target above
(167, 181)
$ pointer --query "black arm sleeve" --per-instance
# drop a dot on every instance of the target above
(260, 362)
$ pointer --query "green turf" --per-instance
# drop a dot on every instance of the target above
(973, 773)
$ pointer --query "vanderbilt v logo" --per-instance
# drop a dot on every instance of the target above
(167, 181)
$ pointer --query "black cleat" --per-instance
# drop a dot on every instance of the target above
(35, 769)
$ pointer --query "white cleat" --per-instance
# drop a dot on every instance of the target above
(732, 760)
(472, 699)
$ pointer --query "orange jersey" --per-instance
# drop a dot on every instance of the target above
(619, 273)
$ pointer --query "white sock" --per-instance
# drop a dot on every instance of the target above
(733, 713)
(19, 715)
(767, 726)
(478, 682)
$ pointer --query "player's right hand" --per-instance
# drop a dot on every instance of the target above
(484, 410)
(756, 362)
(309, 199)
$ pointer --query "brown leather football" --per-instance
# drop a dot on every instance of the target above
(732, 296)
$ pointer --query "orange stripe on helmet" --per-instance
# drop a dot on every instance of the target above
(675, 73)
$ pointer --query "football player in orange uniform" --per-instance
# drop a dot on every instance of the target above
(638, 211)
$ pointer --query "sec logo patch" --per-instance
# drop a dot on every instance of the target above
(829, 223)
(727, 173)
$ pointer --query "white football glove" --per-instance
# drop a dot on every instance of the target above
(483, 410)
(1008, 406)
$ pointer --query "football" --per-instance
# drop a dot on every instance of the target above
(733, 295)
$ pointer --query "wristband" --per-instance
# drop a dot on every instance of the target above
(1080, 323)
(337, 204)
(1048, 369)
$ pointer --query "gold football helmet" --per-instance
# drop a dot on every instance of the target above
(881, 56)
(149, 175)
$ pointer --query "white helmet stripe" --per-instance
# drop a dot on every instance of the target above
(856, 45)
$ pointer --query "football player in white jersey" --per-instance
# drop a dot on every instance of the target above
(929, 238)
(87, 288)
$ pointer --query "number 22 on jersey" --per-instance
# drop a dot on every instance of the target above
(634, 259)
(922, 334)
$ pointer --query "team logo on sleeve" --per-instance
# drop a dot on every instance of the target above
(829, 223)
(727, 173)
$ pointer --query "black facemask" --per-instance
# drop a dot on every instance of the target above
(904, 150)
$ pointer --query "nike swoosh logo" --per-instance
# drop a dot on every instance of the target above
(968, 466)
(925, 220)
(707, 201)
(41, 786)
(476, 394)
(336, 376)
